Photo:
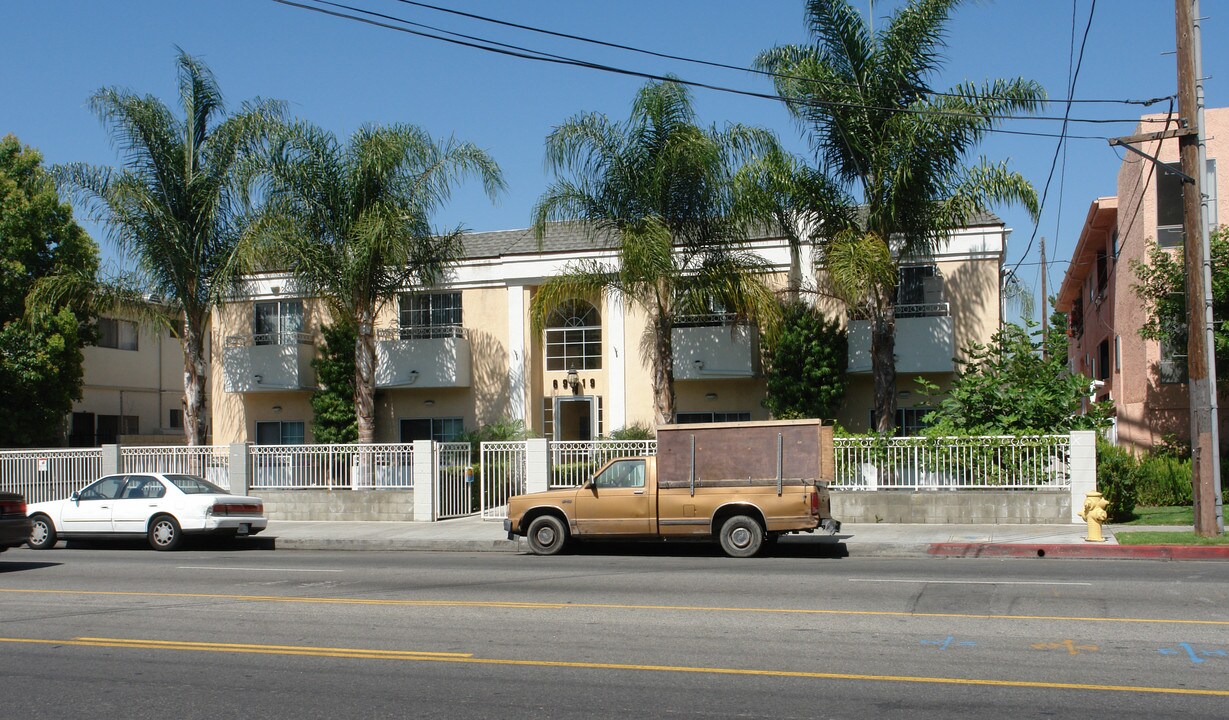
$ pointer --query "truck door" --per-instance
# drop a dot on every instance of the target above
(616, 501)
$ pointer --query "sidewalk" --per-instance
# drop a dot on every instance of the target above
(472, 534)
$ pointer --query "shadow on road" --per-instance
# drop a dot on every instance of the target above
(827, 548)
(189, 543)
(19, 566)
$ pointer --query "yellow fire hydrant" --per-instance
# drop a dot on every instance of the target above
(1094, 513)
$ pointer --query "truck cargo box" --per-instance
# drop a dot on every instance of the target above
(791, 452)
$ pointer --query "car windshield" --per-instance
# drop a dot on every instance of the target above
(191, 485)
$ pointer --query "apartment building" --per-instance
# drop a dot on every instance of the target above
(133, 387)
(462, 355)
(1145, 380)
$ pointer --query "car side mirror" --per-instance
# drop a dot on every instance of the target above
(75, 496)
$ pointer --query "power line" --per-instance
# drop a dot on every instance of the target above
(709, 63)
(473, 42)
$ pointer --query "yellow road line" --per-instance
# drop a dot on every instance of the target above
(609, 606)
(362, 653)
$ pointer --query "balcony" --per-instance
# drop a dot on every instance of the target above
(715, 347)
(424, 356)
(268, 362)
(924, 341)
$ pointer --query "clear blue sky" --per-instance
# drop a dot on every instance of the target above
(341, 75)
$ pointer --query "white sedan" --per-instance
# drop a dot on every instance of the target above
(161, 506)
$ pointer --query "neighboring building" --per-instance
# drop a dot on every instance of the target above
(463, 355)
(133, 387)
(1145, 380)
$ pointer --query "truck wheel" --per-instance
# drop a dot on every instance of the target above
(741, 537)
(546, 535)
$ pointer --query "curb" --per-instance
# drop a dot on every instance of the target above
(1118, 552)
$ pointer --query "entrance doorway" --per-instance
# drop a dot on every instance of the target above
(574, 418)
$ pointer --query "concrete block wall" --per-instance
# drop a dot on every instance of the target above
(368, 505)
(985, 507)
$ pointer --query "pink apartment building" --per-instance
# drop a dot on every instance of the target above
(1145, 381)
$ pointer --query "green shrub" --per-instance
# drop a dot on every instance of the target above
(1116, 472)
(635, 431)
(1163, 480)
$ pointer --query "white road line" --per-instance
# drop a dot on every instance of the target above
(970, 582)
(255, 569)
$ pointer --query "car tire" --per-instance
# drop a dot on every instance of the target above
(546, 535)
(42, 534)
(164, 533)
(741, 536)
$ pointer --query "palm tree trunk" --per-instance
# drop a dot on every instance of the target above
(793, 283)
(364, 378)
(883, 362)
(194, 380)
(663, 373)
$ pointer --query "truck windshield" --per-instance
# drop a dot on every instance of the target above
(621, 474)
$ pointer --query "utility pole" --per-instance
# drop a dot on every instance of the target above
(1201, 358)
(1045, 309)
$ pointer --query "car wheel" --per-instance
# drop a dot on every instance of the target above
(741, 536)
(547, 535)
(164, 533)
(42, 534)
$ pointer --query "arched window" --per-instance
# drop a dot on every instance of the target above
(574, 337)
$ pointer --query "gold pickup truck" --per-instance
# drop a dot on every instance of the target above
(740, 483)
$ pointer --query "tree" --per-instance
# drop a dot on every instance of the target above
(174, 210)
(807, 360)
(659, 188)
(40, 350)
(351, 223)
(879, 129)
(1010, 387)
(1162, 289)
(333, 401)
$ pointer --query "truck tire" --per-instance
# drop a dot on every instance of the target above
(741, 536)
(546, 535)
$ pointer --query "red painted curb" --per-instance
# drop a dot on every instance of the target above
(1140, 552)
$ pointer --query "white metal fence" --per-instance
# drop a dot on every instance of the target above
(503, 475)
(956, 463)
(355, 467)
(455, 496)
(211, 462)
(574, 462)
(41, 475)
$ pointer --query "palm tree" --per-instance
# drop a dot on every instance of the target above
(879, 129)
(351, 223)
(174, 209)
(659, 187)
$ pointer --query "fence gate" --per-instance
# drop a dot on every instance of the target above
(456, 493)
(503, 475)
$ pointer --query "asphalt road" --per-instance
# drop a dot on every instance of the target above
(124, 632)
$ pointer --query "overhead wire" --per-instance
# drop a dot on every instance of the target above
(478, 43)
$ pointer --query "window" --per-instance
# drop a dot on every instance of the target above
(280, 433)
(81, 430)
(1173, 368)
(107, 488)
(1114, 242)
(142, 487)
(684, 418)
(108, 428)
(1169, 211)
(1118, 353)
(277, 323)
(1103, 360)
(919, 292)
(621, 474)
(574, 337)
(429, 315)
(175, 420)
(1103, 275)
(1076, 320)
(117, 334)
(437, 429)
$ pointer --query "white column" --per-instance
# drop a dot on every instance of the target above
(425, 480)
(1083, 460)
(516, 352)
(112, 460)
(537, 465)
(616, 364)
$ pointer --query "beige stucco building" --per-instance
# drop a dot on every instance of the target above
(1145, 381)
(133, 387)
(462, 355)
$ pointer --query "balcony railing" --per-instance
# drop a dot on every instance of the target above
(708, 320)
(420, 332)
(922, 310)
(275, 338)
